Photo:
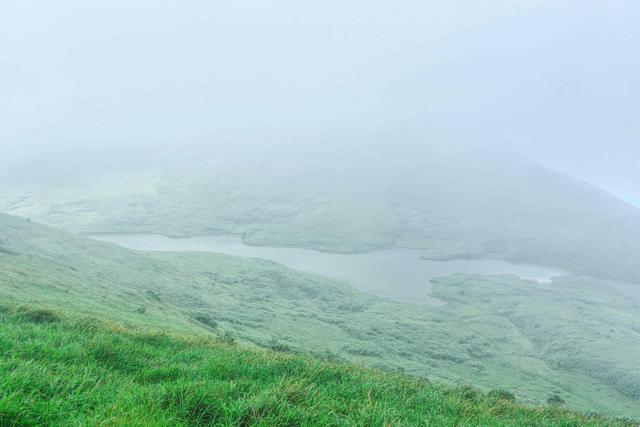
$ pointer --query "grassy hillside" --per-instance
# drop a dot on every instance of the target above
(446, 198)
(78, 372)
(534, 340)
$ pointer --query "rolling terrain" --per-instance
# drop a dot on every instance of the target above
(111, 376)
(449, 199)
(320, 213)
(534, 340)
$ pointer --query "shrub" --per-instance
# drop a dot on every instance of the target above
(275, 345)
(41, 315)
(502, 395)
(555, 400)
(467, 392)
(228, 338)
(206, 319)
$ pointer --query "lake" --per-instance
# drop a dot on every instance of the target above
(398, 274)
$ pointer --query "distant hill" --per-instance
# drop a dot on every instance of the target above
(450, 199)
(496, 332)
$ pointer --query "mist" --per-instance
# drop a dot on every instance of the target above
(296, 212)
(559, 80)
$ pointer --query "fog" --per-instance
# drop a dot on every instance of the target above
(557, 79)
(438, 189)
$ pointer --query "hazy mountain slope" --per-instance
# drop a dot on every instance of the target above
(452, 200)
(496, 332)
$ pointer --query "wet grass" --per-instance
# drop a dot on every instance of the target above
(69, 372)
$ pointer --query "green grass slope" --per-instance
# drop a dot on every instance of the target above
(576, 338)
(77, 372)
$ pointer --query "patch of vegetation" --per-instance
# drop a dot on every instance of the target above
(61, 374)
(555, 400)
(534, 340)
(36, 315)
(206, 319)
(502, 395)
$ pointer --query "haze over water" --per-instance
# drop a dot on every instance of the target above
(399, 274)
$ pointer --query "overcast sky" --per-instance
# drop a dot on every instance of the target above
(558, 78)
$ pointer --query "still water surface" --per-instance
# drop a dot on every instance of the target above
(398, 274)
